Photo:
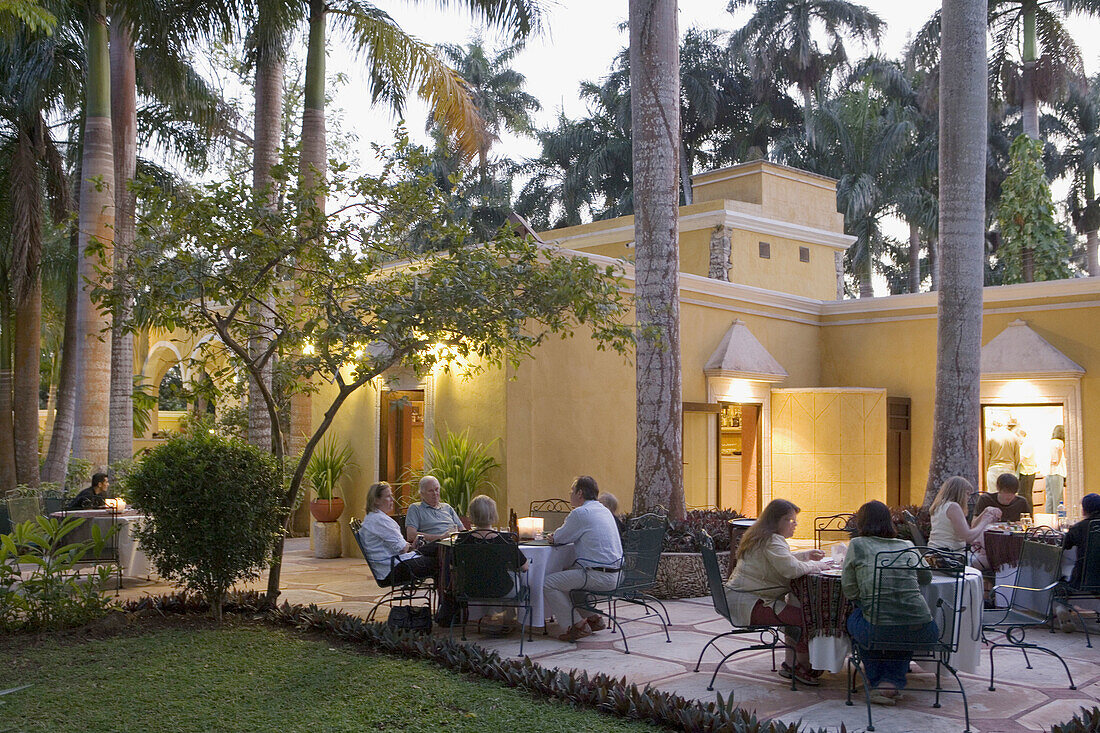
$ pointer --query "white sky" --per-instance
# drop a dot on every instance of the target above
(579, 41)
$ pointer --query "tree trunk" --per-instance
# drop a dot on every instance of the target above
(96, 221)
(7, 428)
(866, 286)
(1091, 245)
(655, 109)
(914, 258)
(61, 440)
(268, 119)
(1029, 113)
(956, 437)
(934, 262)
(685, 175)
(124, 130)
(28, 355)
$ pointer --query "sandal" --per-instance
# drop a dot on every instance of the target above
(573, 633)
(596, 623)
(877, 698)
(806, 676)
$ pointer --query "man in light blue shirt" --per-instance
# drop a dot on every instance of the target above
(592, 531)
(431, 517)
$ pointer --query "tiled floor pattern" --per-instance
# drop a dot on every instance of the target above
(1025, 699)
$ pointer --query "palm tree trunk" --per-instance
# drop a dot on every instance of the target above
(61, 439)
(963, 104)
(96, 221)
(1029, 112)
(268, 119)
(866, 286)
(655, 110)
(914, 258)
(124, 130)
(685, 174)
(934, 262)
(25, 190)
(7, 428)
(28, 354)
(1092, 244)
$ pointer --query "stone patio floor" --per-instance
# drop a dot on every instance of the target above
(1025, 699)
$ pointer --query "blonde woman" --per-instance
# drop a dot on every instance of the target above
(950, 530)
(757, 590)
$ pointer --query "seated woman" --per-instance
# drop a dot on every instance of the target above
(950, 530)
(483, 515)
(757, 590)
(898, 613)
(383, 540)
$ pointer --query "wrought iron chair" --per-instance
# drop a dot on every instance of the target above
(1088, 585)
(768, 635)
(488, 574)
(915, 534)
(834, 528)
(411, 590)
(901, 571)
(1030, 604)
(5, 521)
(1045, 534)
(552, 511)
(642, 544)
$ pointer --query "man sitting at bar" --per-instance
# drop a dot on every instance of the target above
(591, 528)
(432, 518)
(93, 496)
(1006, 499)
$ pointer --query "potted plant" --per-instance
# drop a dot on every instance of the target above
(323, 471)
(462, 466)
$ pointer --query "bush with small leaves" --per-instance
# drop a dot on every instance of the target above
(214, 512)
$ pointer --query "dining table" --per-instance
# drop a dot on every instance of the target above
(826, 610)
(133, 560)
(1003, 548)
(542, 560)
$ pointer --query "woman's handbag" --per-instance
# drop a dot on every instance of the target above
(411, 618)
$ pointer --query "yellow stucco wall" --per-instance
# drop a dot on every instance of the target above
(828, 450)
(783, 193)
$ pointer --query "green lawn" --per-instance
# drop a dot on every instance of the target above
(255, 678)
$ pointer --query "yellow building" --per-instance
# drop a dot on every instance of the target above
(788, 391)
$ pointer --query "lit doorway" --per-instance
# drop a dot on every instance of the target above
(1034, 426)
(401, 444)
(739, 457)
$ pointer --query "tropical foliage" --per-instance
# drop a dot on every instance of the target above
(463, 466)
(1026, 218)
(327, 465)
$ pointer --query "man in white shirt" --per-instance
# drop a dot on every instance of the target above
(432, 518)
(591, 529)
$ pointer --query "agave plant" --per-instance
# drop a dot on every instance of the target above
(462, 466)
(326, 466)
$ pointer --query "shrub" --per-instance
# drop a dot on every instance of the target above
(462, 466)
(213, 504)
(53, 595)
(924, 521)
(1087, 721)
(684, 536)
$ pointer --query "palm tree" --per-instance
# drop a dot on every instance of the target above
(560, 191)
(95, 241)
(655, 128)
(1077, 121)
(779, 39)
(963, 139)
(496, 89)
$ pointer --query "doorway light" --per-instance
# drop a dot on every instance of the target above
(1020, 391)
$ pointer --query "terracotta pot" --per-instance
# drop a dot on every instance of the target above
(327, 510)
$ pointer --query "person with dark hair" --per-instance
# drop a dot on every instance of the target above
(1006, 499)
(757, 591)
(1078, 534)
(1056, 472)
(591, 528)
(93, 496)
(900, 607)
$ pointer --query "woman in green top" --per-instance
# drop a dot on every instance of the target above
(897, 611)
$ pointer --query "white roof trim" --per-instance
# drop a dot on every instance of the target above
(741, 355)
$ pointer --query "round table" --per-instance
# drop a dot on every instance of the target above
(826, 612)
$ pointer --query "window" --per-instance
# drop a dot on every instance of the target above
(765, 251)
(803, 254)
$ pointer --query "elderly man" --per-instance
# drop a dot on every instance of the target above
(591, 528)
(432, 518)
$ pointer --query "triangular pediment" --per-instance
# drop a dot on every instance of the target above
(1018, 352)
(740, 355)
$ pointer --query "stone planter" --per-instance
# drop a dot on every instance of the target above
(681, 575)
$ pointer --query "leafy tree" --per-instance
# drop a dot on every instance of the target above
(233, 487)
(19, 15)
(1077, 121)
(340, 309)
(1026, 218)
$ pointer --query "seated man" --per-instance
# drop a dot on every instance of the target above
(1076, 537)
(431, 517)
(93, 496)
(591, 528)
(1006, 499)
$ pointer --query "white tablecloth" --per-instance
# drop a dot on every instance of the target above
(831, 652)
(1006, 575)
(135, 563)
(541, 561)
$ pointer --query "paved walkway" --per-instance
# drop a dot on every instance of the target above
(1025, 700)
